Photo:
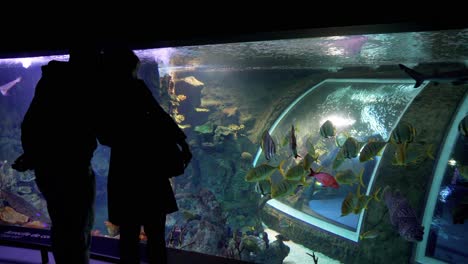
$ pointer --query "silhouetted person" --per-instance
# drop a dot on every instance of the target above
(58, 139)
(143, 138)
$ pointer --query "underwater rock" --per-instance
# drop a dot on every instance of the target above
(9, 215)
(202, 236)
(27, 176)
(24, 190)
(276, 252)
(23, 206)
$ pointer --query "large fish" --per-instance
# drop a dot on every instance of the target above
(403, 217)
(454, 77)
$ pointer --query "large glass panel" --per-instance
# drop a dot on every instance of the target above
(225, 97)
(366, 110)
(447, 206)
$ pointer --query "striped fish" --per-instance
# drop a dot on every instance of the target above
(403, 133)
(370, 150)
(296, 173)
(327, 129)
(268, 145)
(463, 126)
(283, 188)
(350, 148)
(260, 173)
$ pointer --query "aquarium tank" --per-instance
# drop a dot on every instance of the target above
(320, 149)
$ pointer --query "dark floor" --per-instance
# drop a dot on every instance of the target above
(13, 255)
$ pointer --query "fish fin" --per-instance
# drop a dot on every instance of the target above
(358, 191)
(430, 151)
(360, 178)
(375, 195)
(280, 168)
(418, 77)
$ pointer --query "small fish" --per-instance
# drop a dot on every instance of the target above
(296, 173)
(268, 145)
(293, 143)
(350, 148)
(262, 172)
(463, 126)
(263, 187)
(327, 129)
(403, 133)
(370, 150)
(355, 203)
(283, 188)
(307, 161)
(412, 154)
(7, 86)
(369, 234)
(349, 177)
(325, 179)
(340, 139)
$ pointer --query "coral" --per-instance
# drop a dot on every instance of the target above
(9, 215)
(200, 109)
(181, 97)
(230, 111)
(179, 118)
(205, 128)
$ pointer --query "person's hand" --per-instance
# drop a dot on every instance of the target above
(186, 156)
(186, 153)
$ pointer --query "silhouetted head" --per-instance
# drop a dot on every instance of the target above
(121, 60)
(85, 55)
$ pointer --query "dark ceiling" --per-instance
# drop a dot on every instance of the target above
(44, 37)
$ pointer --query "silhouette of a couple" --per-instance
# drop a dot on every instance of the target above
(97, 96)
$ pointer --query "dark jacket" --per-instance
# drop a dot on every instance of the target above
(57, 130)
(141, 135)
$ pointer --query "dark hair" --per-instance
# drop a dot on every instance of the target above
(84, 54)
(120, 59)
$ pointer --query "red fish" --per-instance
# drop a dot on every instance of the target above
(324, 178)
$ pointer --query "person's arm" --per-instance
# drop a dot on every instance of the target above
(29, 129)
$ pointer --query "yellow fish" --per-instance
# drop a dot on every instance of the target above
(262, 172)
(349, 177)
(370, 150)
